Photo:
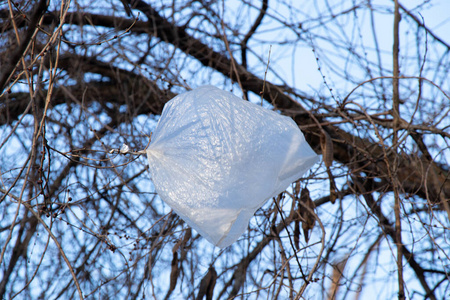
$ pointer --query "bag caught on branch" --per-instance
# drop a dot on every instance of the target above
(215, 159)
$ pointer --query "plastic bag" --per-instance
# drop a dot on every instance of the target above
(216, 159)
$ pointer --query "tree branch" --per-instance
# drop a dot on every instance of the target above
(421, 24)
(388, 229)
(348, 149)
(10, 66)
(262, 13)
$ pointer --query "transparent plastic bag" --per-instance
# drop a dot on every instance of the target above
(215, 159)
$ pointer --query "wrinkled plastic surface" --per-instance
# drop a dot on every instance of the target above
(215, 159)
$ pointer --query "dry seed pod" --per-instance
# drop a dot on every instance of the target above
(174, 273)
(207, 285)
(297, 189)
(308, 218)
(333, 191)
(297, 234)
(327, 148)
(327, 155)
(338, 271)
(182, 242)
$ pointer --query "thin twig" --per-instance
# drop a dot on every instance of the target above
(77, 284)
(392, 168)
(265, 76)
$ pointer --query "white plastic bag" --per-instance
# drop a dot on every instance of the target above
(216, 159)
